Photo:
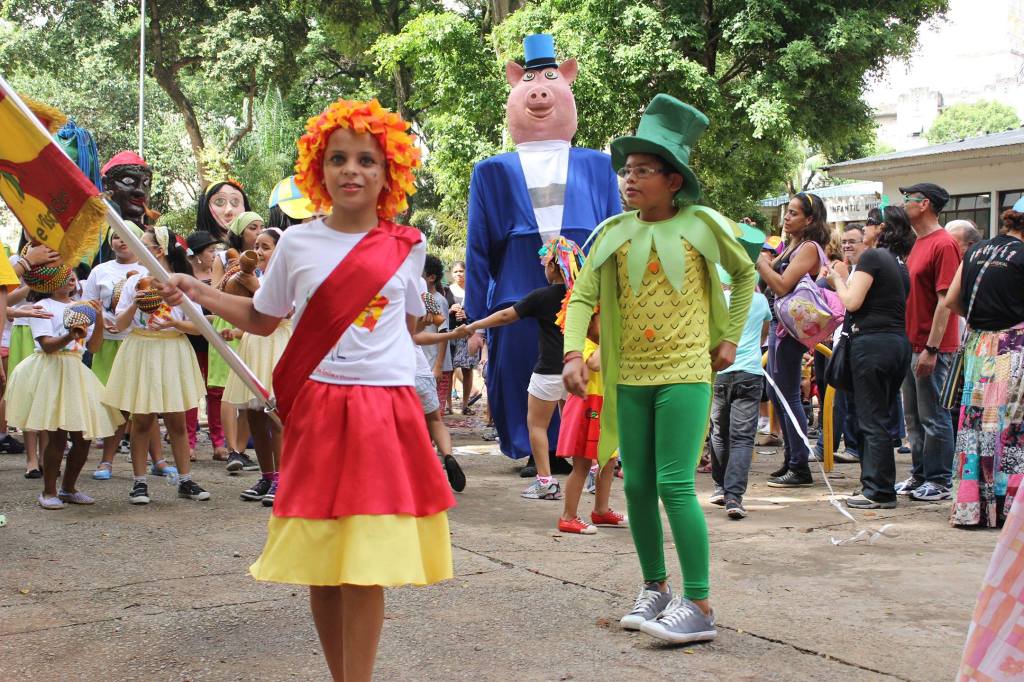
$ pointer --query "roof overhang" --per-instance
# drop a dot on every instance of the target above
(878, 167)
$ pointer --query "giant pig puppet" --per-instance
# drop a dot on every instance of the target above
(519, 200)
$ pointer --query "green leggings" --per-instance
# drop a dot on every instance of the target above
(661, 436)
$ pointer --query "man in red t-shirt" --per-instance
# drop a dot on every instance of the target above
(932, 331)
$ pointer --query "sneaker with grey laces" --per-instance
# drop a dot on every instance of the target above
(682, 623)
(908, 486)
(930, 492)
(648, 606)
(543, 491)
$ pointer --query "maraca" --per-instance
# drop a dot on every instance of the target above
(147, 299)
(79, 316)
(45, 279)
(115, 295)
(238, 280)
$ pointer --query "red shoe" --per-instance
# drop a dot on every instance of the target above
(609, 518)
(577, 525)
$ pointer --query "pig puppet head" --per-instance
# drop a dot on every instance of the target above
(541, 105)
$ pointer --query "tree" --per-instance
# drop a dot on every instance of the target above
(222, 52)
(961, 121)
(766, 72)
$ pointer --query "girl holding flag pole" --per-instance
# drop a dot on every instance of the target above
(368, 472)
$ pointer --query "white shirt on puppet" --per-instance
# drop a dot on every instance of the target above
(546, 168)
(376, 349)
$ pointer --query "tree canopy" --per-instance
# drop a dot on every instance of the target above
(774, 76)
(970, 120)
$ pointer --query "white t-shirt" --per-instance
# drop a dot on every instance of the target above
(100, 287)
(430, 350)
(423, 368)
(376, 349)
(143, 320)
(55, 325)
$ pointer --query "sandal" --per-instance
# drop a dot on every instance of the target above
(33, 473)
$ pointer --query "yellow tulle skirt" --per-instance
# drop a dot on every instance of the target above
(260, 354)
(155, 372)
(387, 550)
(55, 391)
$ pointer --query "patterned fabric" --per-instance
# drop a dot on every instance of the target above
(664, 331)
(461, 357)
(994, 648)
(989, 460)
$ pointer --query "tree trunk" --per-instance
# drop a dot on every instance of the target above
(166, 75)
(500, 9)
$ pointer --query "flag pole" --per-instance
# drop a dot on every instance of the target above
(142, 67)
(191, 310)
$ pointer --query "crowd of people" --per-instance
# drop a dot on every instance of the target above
(649, 348)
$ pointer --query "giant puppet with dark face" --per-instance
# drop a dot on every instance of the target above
(517, 201)
(128, 179)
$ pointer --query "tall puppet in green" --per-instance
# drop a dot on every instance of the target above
(665, 329)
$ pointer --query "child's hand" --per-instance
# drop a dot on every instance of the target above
(574, 377)
(462, 332)
(723, 355)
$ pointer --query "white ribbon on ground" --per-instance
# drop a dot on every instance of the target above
(869, 535)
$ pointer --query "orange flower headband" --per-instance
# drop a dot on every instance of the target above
(362, 117)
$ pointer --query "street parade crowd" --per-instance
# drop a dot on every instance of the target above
(620, 326)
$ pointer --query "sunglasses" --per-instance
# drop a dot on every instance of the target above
(870, 223)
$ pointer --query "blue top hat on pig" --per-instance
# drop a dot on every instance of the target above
(539, 50)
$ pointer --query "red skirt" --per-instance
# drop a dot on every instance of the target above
(353, 450)
(581, 427)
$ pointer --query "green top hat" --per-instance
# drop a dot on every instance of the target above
(668, 129)
(752, 240)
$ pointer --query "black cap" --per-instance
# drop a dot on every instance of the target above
(199, 240)
(932, 192)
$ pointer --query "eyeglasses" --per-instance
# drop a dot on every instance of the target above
(913, 200)
(872, 223)
(850, 242)
(641, 172)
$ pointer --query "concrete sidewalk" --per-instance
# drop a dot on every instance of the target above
(161, 592)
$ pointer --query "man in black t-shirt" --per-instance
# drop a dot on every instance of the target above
(546, 390)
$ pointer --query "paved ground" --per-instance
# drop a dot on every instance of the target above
(161, 592)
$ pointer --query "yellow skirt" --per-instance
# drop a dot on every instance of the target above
(155, 372)
(260, 354)
(387, 550)
(55, 391)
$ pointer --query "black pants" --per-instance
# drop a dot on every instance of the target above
(880, 361)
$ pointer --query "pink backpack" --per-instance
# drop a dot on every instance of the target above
(809, 313)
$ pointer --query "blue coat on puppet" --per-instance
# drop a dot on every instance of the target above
(519, 200)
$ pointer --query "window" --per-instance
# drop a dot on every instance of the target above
(1007, 199)
(973, 207)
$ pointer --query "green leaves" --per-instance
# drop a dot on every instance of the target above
(969, 120)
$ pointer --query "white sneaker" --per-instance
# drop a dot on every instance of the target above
(539, 491)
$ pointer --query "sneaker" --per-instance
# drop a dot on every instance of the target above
(191, 491)
(735, 510)
(846, 457)
(863, 502)
(10, 446)
(648, 605)
(165, 470)
(718, 497)
(781, 471)
(591, 484)
(456, 478)
(124, 447)
(103, 472)
(903, 449)
(77, 497)
(930, 492)
(577, 525)
(50, 502)
(139, 493)
(610, 518)
(681, 623)
(268, 499)
(239, 461)
(539, 491)
(257, 491)
(767, 439)
(908, 486)
(791, 479)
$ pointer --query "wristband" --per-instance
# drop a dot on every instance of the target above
(932, 349)
(572, 355)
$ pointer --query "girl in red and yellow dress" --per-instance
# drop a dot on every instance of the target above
(362, 501)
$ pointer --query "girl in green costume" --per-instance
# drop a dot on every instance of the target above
(665, 329)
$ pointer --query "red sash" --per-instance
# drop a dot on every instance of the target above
(337, 302)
